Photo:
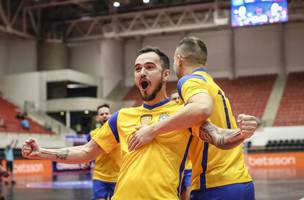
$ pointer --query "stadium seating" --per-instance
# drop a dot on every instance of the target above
(248, 94)
(284, 145)
(8, 113)
(292, 145)
(291, 110)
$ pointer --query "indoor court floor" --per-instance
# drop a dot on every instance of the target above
(270, 184)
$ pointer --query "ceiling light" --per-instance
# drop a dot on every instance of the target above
(146, 1)
(76, 85)
(116, 4)
(84, 18)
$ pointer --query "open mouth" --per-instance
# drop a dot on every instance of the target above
(144, 84)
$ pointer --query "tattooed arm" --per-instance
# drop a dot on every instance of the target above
(221, 138)
(77, 154)
(229, 138)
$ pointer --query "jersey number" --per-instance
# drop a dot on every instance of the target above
(225, 108)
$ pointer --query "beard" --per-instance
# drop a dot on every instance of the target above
(147, 97)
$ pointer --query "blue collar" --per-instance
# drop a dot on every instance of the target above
(156, 105)
(199, 70)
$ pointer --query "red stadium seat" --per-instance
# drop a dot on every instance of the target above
(291, 110)
(248, 95)
(9, 112)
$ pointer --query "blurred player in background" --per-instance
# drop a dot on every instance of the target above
(9, 157)
(107, 166)
(175, 97)
(102, 115)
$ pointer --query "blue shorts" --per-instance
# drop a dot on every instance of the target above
(186, 180)
(239, 191)
(102, 189)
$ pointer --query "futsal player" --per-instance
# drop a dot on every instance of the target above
(152, 172)
(175, 96)
(216, 173)
(106, 166)
(9, 157)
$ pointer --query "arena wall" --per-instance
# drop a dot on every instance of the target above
(258, 50)
(294, 45)
(131, 47)
(17, 55)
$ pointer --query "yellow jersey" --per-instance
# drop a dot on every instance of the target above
(154, 171)
(211, 166)
(106, 167)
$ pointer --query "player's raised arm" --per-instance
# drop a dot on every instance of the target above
(229, 138)
(77, 154)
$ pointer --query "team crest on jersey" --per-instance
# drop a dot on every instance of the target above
(163, 116)
(145, 119)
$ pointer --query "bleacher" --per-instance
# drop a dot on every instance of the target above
(8, 113)
(280, 145)
(291, 110)
(285, 145)
(248, 95)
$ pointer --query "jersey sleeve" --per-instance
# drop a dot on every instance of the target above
(190, 85)
(107, 136)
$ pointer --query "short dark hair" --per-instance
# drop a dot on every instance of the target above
(194, 49)
(103, 105)
(165, 61)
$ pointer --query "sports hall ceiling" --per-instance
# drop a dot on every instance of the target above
(59, 10)
(90, 19)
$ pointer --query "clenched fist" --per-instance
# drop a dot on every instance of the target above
(30, 149)
(247, 124)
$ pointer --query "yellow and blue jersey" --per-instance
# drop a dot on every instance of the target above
(153, 171)
(107, 167)
(211, 166)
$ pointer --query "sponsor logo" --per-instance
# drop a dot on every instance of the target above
(272, 161)
(28, 168)
(145, 119)
(62, 166)
(163, 116)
